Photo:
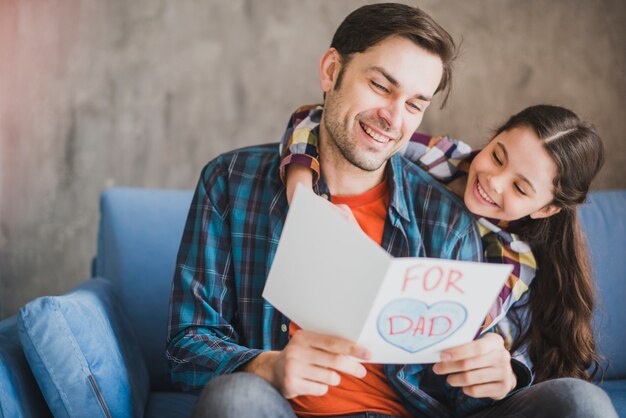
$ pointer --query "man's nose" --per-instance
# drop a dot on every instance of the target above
(392, 115)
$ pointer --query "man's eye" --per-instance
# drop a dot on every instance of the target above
(379, 87)
(415, 107)
(496, 158)
(519, 189)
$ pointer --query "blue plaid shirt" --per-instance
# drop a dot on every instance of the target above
(218, 319)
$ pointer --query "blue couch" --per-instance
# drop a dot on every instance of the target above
(139, 234)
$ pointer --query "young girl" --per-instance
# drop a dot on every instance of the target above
(523, 189)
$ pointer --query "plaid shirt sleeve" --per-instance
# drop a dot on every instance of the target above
(444, 158)
(299, 142)
(502, 247)
(201, 342)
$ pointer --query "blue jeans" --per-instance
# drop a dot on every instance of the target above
(564, 397)
(241, 395)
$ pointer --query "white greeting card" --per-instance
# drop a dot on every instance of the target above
(328, 276)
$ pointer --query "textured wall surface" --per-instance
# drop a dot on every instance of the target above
(145, 92)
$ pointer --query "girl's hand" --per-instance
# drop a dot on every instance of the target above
(482, 368)
(297, 174)
(300, 174)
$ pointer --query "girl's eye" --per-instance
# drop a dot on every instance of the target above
(496, 158)
(379, 87)
(519, 189)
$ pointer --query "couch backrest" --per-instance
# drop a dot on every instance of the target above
(139, 235)
(604, 223)
(140, 231)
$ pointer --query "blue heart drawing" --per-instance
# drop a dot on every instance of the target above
(413, 325)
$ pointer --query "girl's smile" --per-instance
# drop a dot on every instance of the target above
(482, 195)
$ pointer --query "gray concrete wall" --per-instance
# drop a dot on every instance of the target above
(145, 92)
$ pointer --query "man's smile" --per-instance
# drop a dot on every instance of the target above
(376, 136)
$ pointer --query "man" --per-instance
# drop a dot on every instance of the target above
(385, 64)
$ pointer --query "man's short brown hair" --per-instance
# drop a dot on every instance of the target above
(369, 25)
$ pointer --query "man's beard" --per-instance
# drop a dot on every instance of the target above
(339, 137)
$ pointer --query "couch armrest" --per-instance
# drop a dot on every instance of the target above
(20, 395)
(83, 353)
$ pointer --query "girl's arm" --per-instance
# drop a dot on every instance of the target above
(447, 159)
(299, 151)
(444, 158)
(297, 174)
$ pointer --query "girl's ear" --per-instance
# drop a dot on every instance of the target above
(545, 212)
(330, 63)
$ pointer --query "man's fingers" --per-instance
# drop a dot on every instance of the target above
(326, 376)
(319, 375)
(332, 344)
(474, 377)
(298, 387)
(310, 371)
(448, 367)
(309, 348)
(494, 391)
(476, 348)
(492, 358)
(338, 362)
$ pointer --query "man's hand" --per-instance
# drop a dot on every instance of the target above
(482, 368)
(309, 364)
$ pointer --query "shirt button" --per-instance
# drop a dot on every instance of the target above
(283, 328)
(520, 247)
(324, 196)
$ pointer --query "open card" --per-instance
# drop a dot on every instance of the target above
(328, 276)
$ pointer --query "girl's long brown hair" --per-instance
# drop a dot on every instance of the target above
(559, 336)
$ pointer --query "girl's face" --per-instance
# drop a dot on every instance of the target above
(512, 178)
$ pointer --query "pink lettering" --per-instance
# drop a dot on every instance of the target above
(432, 325)
(433, 279)
(439, 277)
(400, 324)
(419, 327)
(402, 318)
(409, 275)
(452, 280)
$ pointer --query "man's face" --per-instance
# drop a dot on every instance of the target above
(380, 101)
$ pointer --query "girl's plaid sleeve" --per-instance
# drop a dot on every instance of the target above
(442, 157)
(502, 247)
(299, 143)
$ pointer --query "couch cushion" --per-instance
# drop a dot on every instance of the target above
(140, 231)
(616, 389)
(83, 354)
(604, 222)
(19, 393)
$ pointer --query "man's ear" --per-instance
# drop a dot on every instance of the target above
(545, 212)
(330, 64)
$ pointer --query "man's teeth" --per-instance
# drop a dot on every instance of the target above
(375, 136)
(484, 194)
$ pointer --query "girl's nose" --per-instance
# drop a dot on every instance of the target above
(496, 182)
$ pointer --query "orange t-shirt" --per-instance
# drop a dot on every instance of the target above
(372, 393)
